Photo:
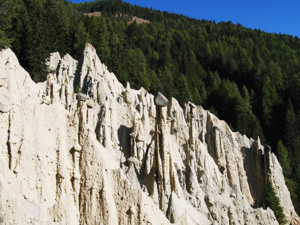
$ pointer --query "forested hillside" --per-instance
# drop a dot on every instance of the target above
(249, 78)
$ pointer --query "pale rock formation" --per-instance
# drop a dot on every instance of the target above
(92, 158)
(53, 61)
(5, 105)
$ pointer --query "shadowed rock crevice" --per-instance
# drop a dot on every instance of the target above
(124, 140)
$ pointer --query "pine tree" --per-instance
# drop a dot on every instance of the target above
(7, 13)
(283, 158)
(182, 87)
(273, 202)
(291, 131)
(292, 141)
(269, 97)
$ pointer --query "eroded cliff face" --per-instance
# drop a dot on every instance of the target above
(114, 155)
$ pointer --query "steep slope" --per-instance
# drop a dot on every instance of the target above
(115, 155)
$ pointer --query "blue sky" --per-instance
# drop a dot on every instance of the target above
(274, 16)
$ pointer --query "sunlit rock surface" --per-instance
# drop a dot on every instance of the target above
(114, 155)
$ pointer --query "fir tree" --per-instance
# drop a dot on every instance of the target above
(284, 158)
(273, 202)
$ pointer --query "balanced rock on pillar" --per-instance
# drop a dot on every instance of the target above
(161, 100)
(81, 97)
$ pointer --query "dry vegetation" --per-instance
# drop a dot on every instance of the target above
(97, 14)
(130, 21)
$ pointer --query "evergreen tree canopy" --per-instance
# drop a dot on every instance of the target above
(272, 201)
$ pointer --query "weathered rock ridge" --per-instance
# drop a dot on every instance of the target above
(114, 155)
